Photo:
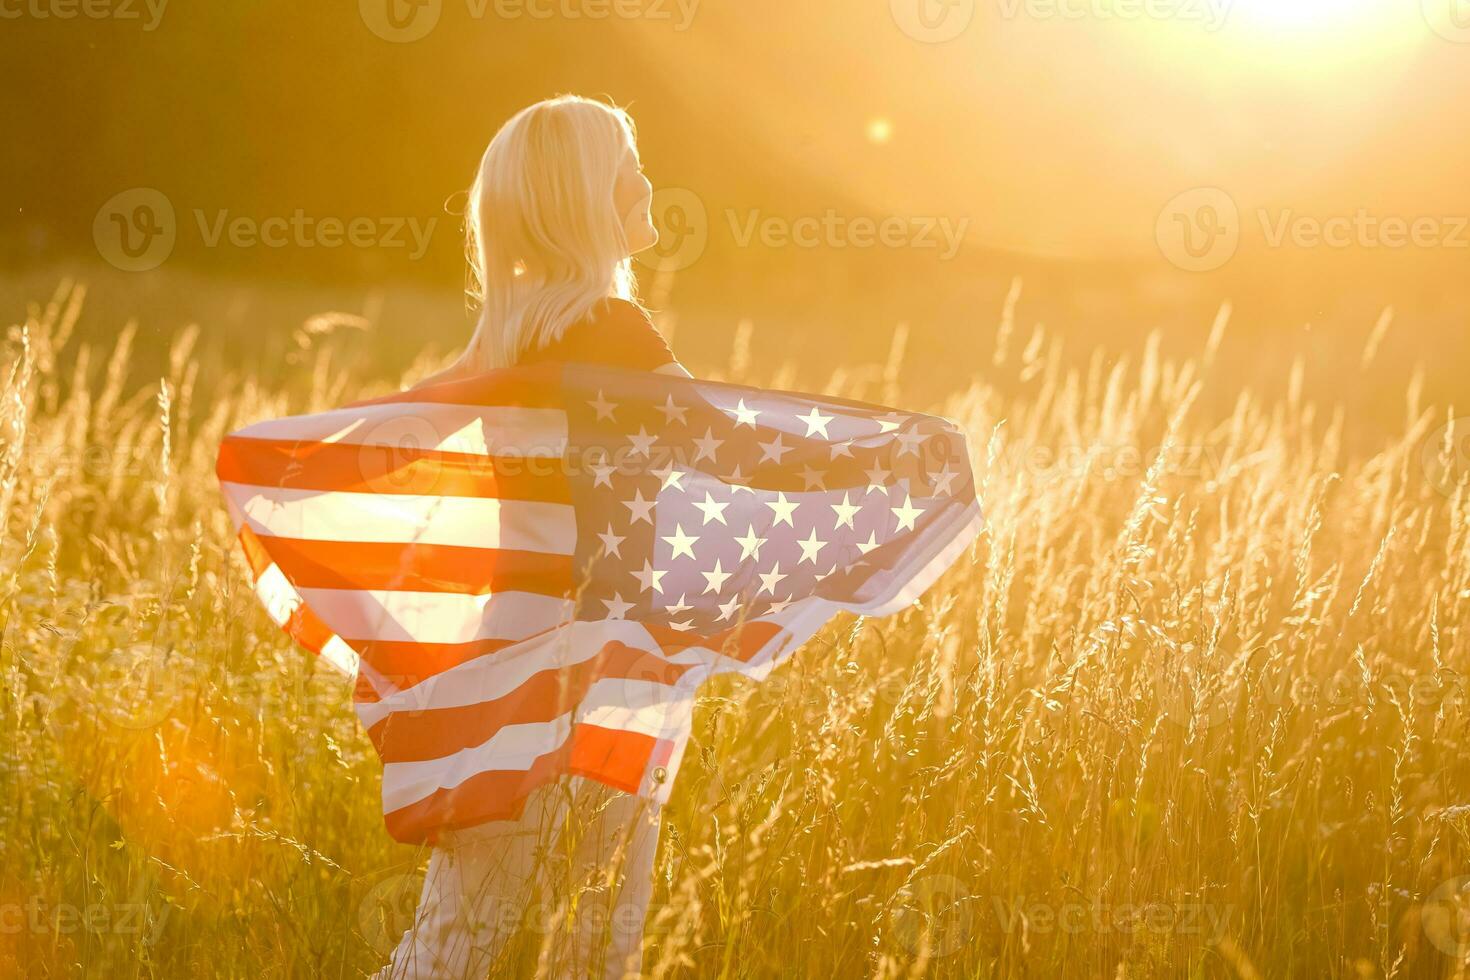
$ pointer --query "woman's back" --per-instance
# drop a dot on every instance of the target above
(616, 333)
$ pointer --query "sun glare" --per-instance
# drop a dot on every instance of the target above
(1312, 15)
(1296, 40)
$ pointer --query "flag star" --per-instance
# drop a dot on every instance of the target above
(823, 575)
(911, 442)
(870, 544)
(779, 606)
(743, 415)
(810, 548)
(843, 448)
(783, 509)
(616, 607)
(716, 579)
(707, 447)
(878, 479)
(750, 545)
(670, 476)
(943, 480)
(611, 542)
(681, 627)
(639, 509)
(650, 579)
(810, 478)
(677, 607)
(682, 543)
(642, 442)
(603, 407)
(816, 422)
(736, 480)
(712, 511)
(906, 513)
(727, 609)
(889, 423)
(672, 411)
(773, 450)
(845, 512)
(769, 580)
(603, 473)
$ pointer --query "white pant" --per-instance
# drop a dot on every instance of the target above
(578, 842)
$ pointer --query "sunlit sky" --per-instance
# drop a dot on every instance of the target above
(1065, 135)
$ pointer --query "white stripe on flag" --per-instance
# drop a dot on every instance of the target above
(497, 674)
(517, 747)
(517, 525)
(435, 617)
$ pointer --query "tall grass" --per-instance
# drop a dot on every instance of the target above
(1194, 705)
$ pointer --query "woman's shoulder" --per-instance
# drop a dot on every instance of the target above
(616, 332)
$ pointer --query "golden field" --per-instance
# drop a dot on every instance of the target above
(1194, 705)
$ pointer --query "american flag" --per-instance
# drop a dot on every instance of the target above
(529, 573)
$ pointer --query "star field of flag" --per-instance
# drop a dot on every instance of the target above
(711, 506)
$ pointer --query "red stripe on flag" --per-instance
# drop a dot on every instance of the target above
(389, 565)
(412, 735)
(404, 663)
(739, 642)
(616, 758)
(347, 467)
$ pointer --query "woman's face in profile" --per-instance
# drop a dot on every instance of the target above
(632, 197)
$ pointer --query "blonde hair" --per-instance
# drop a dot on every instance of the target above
(543, 239)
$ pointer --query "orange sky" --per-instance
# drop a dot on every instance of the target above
(1066, 135)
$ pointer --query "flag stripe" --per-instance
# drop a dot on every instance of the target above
(436, 617)
(384, 566)
(471, 429)
(617, 758)
(518, 746)
(407, 735)
(516, 525)
(390, 469)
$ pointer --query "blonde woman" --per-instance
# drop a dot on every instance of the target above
(557, 210)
